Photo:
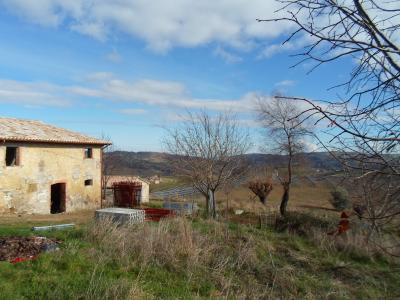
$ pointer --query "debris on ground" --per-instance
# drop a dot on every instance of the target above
(53, 227)
(18, 249)
(156, 214)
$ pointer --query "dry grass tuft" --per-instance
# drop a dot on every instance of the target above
(315, 227)
(176, 246)
(205, 258)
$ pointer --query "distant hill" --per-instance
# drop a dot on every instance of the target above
(143, 164)
(147, 164)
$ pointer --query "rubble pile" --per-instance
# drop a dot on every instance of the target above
(23, 248)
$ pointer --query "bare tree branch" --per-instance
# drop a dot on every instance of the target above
(209, 150)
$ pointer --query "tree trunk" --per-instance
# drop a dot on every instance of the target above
(263, 199)
(286, 184)
(208, 204)
(285, 199)
(212, 205)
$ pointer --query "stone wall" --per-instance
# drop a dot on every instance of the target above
(26, 188)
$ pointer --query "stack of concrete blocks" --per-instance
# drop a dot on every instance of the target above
(122, 216)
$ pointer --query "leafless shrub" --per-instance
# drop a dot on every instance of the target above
(261, 189)
(340, 198)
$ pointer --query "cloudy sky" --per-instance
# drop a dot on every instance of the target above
(128, 68)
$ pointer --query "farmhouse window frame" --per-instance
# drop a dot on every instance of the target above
(88, 153)
(12, 156)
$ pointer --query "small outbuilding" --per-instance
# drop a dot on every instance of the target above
(145, 185)
(45, 169)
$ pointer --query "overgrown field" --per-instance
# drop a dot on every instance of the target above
(200, 259)
(304, 196)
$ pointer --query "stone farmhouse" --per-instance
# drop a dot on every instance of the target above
(46, 169)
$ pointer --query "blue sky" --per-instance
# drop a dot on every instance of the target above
(127, 69)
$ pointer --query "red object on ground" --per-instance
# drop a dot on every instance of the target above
(22, 259)
(344, 215)
(156, 214)
(343, 226)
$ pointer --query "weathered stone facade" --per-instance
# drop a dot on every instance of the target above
(27, 187)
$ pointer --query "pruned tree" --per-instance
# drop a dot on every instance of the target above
(261, 188)
(285, 134)
(209, 150)
(364, 121)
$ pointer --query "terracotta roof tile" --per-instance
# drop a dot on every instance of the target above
(113, 179)
(35, 131)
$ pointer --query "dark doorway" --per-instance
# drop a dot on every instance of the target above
(57, 198)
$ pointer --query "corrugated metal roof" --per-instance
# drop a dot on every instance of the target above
(36, 131)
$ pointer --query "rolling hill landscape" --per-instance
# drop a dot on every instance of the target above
(147, 164)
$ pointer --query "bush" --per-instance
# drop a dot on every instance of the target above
(340, 198)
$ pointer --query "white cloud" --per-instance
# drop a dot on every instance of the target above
(103, 85)
(99, 76)
(96, 30)
(274, 49)
(162, 24)
(227, 56)
(106, 86)
(83, 91)
(168, 94)
(285, 83)
(132, 111)
(312, 146)
(31, 94)
(114, 56)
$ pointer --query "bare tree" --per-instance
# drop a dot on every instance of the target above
(364, 121)
(286, 134)
(209, 150)
(110, 163)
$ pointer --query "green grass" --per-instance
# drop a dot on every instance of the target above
(277, 265)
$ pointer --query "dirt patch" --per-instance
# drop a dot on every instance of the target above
(81, 217)
(12, 248)
(246, 218)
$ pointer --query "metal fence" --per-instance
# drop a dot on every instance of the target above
(127, 194)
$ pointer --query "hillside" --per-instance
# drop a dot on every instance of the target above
(147, 164)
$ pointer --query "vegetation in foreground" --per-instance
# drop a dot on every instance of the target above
(196, 259)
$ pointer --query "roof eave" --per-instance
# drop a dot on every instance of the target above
(33, 141)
